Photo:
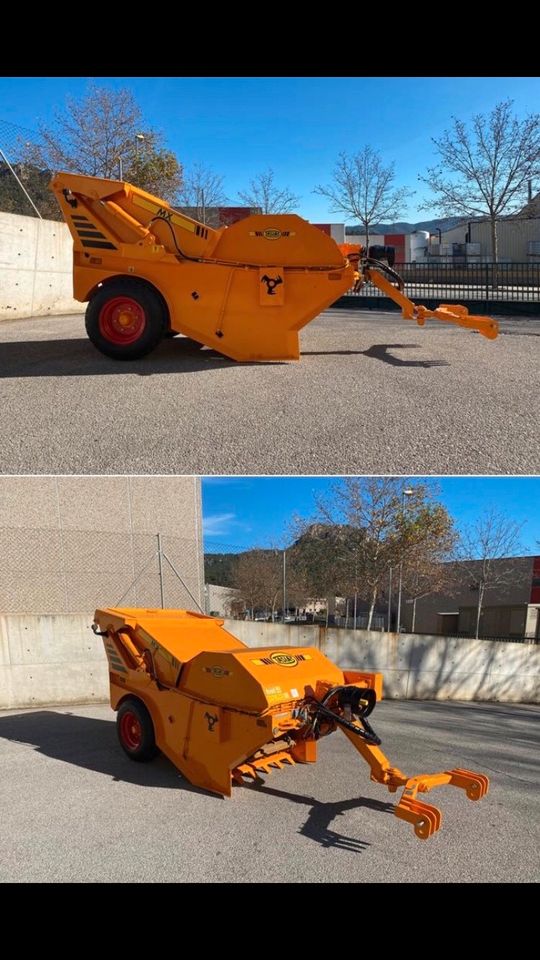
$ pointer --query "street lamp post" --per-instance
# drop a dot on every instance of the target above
(389, 599)
(406, 492)
(139, 138)
(284, 583)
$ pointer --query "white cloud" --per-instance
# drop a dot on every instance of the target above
(218, 524)
(225, 481)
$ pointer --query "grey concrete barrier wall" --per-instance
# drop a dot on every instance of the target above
(36, 268)
(50, 660)
(58, 660)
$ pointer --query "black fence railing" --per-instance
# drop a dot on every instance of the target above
(379, 626)
(447, 282)
(469, 636)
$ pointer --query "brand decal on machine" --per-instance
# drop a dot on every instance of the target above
(272, 234)
(282, 659)
(217, 671)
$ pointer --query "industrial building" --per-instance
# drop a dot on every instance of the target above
(518, 238)
(518, 241)
(511, 608)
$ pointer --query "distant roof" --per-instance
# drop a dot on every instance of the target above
(531, 209)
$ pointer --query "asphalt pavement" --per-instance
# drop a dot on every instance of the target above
(372, 394)
(75, 809)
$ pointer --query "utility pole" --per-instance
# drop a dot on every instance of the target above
(160, 561)
(284, 583)
(389, 599)
(406, 492)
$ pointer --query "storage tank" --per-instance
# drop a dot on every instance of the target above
(419, 245)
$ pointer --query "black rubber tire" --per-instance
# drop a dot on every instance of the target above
(155, 315)
(147, 749)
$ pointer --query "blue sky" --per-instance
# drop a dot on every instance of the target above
(297, 125)
(240, 512)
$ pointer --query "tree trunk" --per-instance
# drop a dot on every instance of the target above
(372, 607)
(495, 252)
(481, 589)
(367, 239)
(413, 615)
(494, 240)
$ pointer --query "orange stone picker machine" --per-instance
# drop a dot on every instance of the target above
(223, 712)
(148, 272)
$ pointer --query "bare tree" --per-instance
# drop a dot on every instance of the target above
(257, 574)
(103, 135)
(267, 196)
(363, 188)
(377, 532)
(490, 542)
(201, 189)
(484, 170)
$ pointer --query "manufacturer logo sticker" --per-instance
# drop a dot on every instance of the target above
(217, 671)
(272, 234)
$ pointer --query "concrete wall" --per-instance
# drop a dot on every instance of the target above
(70, 544)
(50, 660)
(57, 659)
(36, 268)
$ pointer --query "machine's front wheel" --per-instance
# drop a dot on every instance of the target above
(126, 319)
(136, 731)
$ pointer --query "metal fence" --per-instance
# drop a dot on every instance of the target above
(52, 571)
(448, 282)
(468, 636)
(24, 182)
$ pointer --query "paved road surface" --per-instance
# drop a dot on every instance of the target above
(372, 394)
(74, 808)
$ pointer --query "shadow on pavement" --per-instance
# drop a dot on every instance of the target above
(379, 351)
(79, 358)
(321, 815)
(76, 358)
(92, 744)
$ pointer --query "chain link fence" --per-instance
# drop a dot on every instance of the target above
(51, 571)
(24, 184)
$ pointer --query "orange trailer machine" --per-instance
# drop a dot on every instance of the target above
(147, 271)
(222, 712)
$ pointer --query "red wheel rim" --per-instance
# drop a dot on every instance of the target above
(131, 730)
(122, 320)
